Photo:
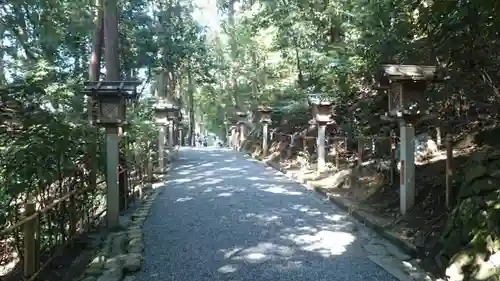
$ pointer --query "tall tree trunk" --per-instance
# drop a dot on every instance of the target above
(94, 71)
(180, 87)
(254, 76)
(113, 74)
(111, 40)
(191, 107)
(96, 53)
(232, 39)
(2, 62)
(300, 78)
(172, 85)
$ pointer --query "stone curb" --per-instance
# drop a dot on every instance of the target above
(122, 252)
(406, 247)
(409, 248)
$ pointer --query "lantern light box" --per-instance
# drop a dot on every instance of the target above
(406, 85)
(265, 114)
(322, 108)
(111, 97)
(179, 116)
(232, 121)
(242, 116)
(164, 111)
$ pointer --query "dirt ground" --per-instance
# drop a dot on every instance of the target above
(66, 266)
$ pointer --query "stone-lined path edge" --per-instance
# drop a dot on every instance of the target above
(122, 253)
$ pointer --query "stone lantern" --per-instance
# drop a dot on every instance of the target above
(242, 117)
(180, 134)
(233, 128)
(322, 109)
(111, 97)
(406, 86)
(162, 110)
(265, 119)
(172, 115)
(175, 126)
(227, 130)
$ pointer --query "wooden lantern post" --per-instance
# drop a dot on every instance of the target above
(180, 134)
(233, 128)
(322, 109)
(265, 119)
(172, 112)
(200, 129)
(242, 127)
(234, 136)
(160, 109)
(111, 97)
(406, 85)
(227, 130)
(176, 125)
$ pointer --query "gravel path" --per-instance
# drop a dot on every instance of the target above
(224, 217)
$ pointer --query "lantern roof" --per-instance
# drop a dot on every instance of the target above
(407, 72)
(163, 104)
(264, 109)
(111, 88)
(180, 115)
(319, 99)
(242, 114)
(232, 120)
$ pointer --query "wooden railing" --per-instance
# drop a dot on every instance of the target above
(43, 232)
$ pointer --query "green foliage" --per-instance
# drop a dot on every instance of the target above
(39, 145)
(44, 129)
(274, 51)
(266, 52)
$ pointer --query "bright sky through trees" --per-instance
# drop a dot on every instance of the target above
(206, 13)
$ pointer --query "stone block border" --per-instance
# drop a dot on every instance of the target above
(122, 253)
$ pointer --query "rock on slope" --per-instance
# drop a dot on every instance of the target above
(471, 239)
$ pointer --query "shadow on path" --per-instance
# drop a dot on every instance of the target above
(224, 217)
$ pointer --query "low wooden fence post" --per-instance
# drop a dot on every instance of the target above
(450, 196)
(29, 233)
(337, 155)
(290, 148)
(360, 153)
(73, 220)
(393, 158)
(150, 168)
